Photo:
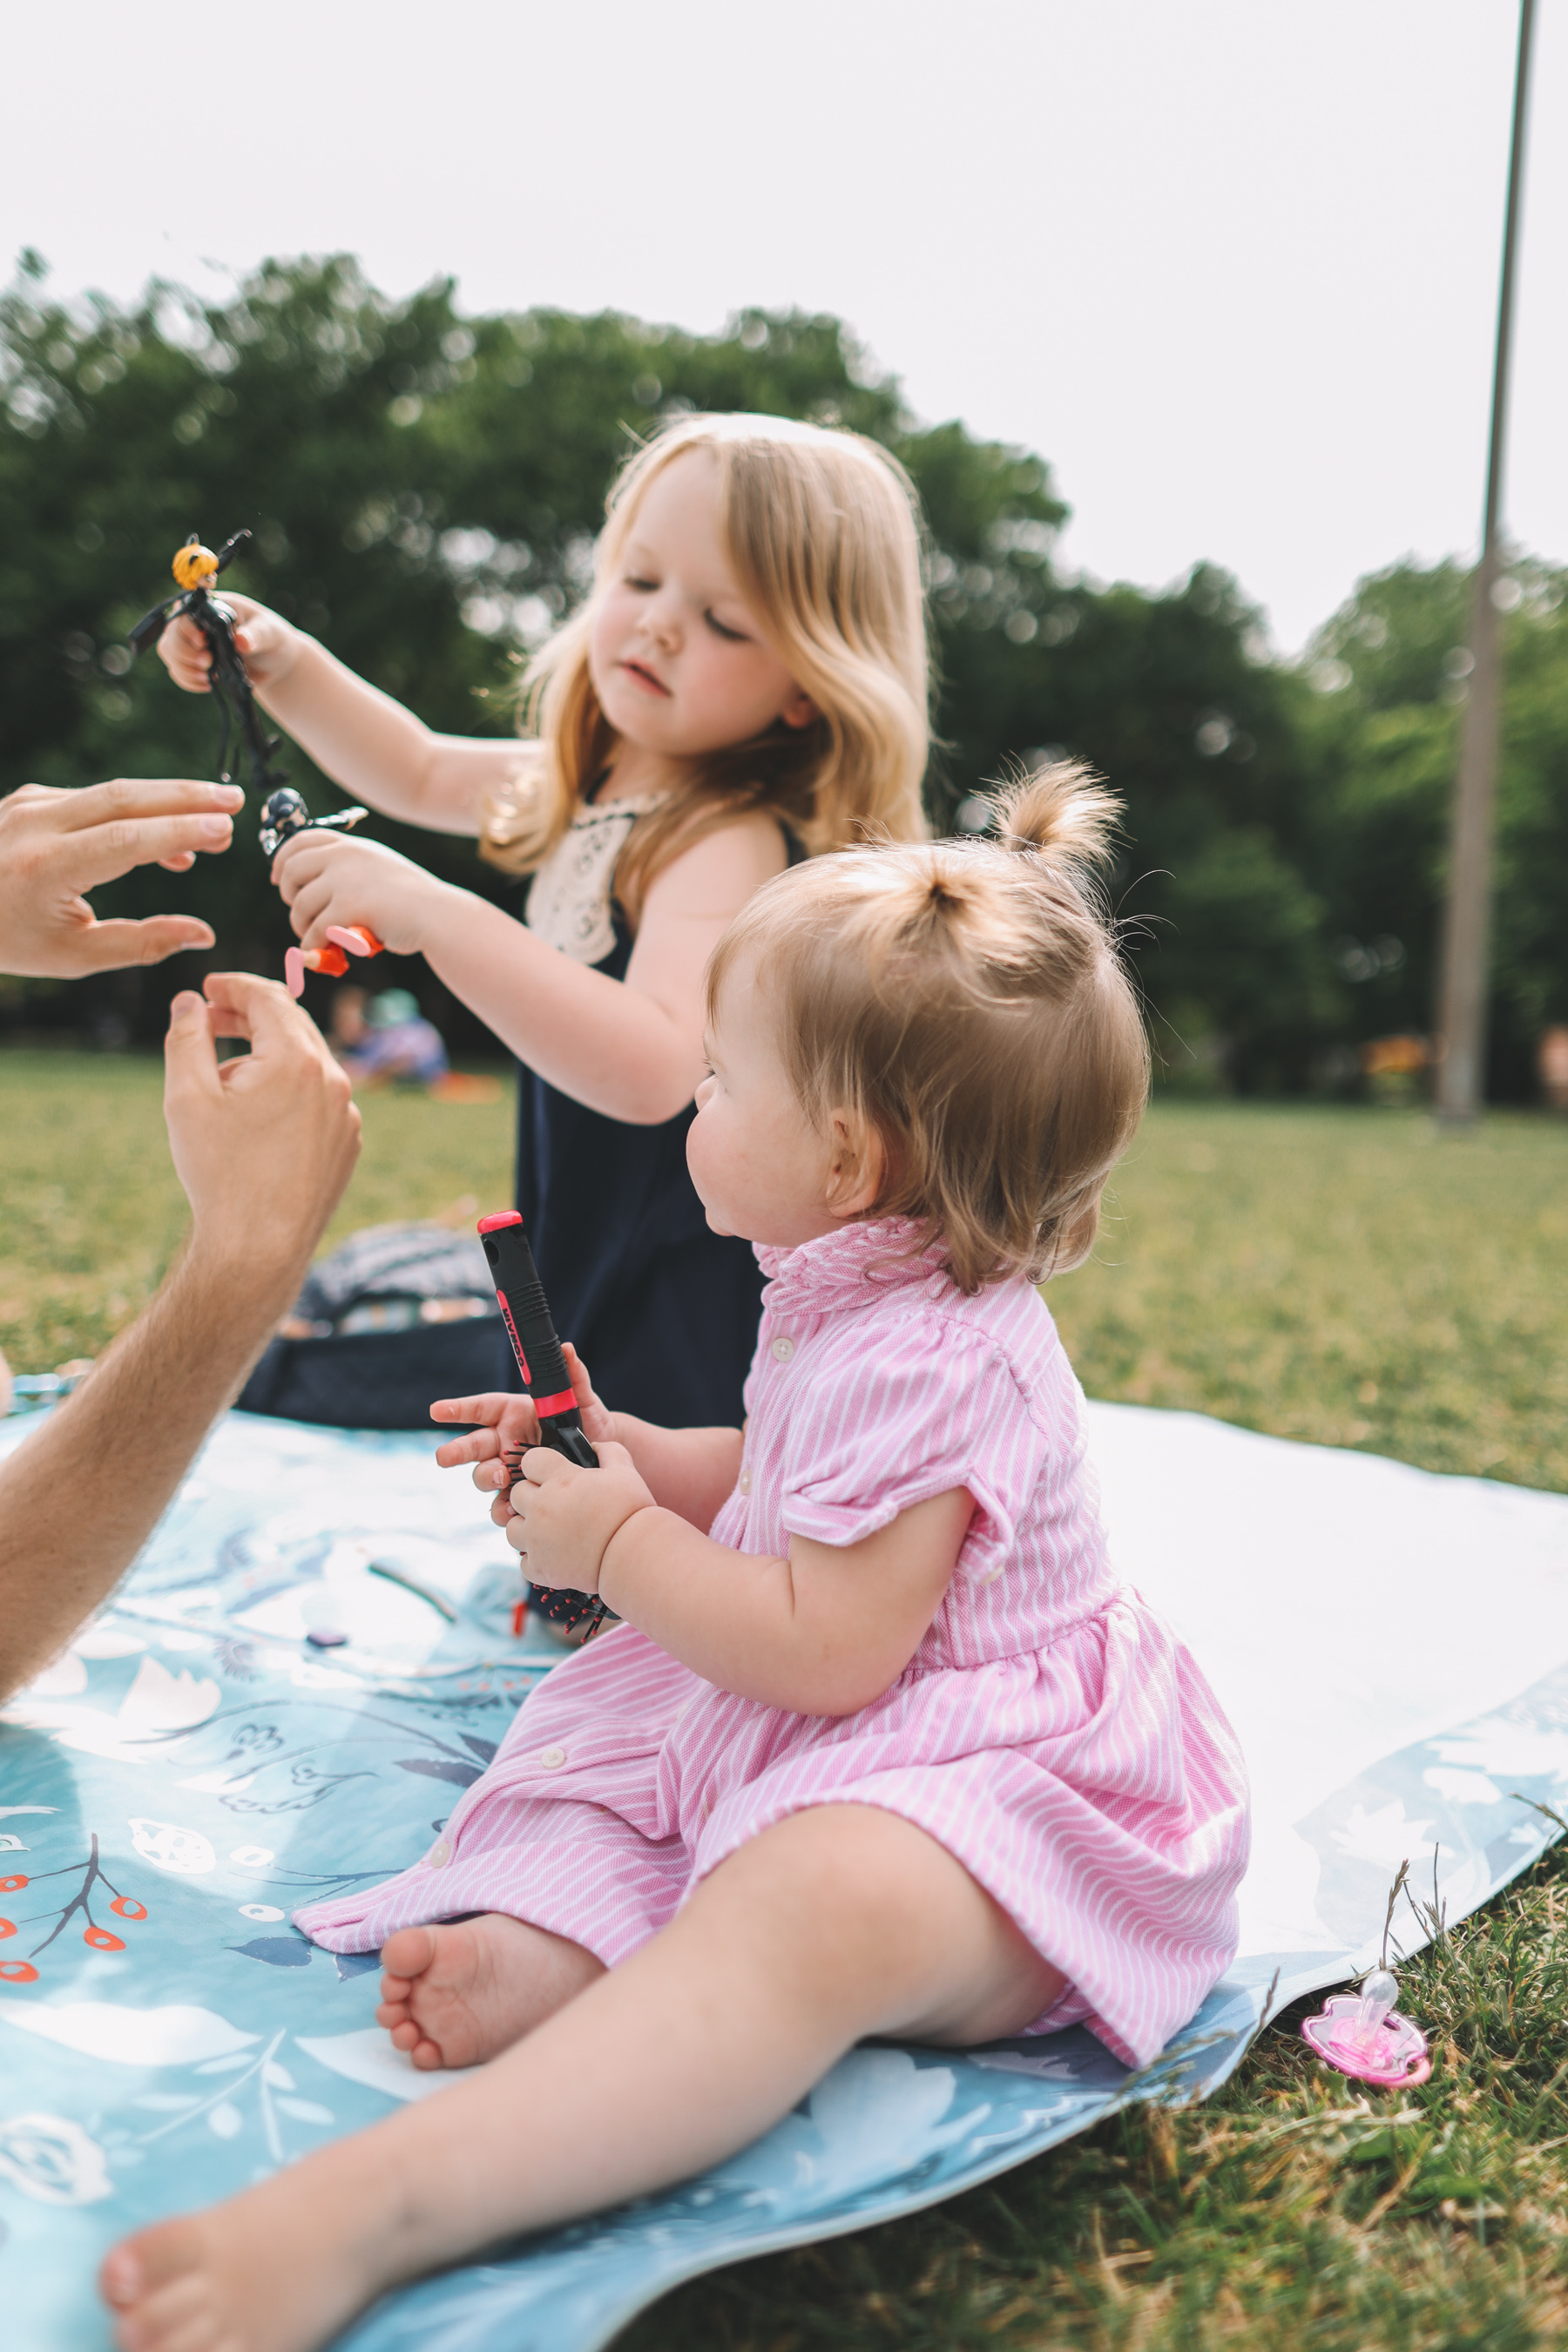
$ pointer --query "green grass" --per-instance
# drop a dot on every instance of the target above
(1341, 1275)
(93, 1214)
(1334, 1275)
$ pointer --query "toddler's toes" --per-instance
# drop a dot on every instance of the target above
(407, 1954)
(156, 2286)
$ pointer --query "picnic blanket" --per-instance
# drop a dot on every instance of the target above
(1392, 1648)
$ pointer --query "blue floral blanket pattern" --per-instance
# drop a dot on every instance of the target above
(195, 1765)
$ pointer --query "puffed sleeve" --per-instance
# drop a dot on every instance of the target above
(885, 1434)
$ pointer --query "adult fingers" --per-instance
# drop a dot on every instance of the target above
(190, 1064)
(111, 947)
(144, 796)
(263, 1011)
(107, 851)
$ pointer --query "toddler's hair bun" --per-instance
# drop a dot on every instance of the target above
(1063, 813)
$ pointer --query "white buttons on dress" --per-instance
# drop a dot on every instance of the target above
(745, 1482)
(552, 1757)
(438, 1856)
(782, 1350)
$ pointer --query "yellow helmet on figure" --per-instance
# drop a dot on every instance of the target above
(195, 564)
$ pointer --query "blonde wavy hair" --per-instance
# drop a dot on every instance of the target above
(965, 1004)
(823, 530)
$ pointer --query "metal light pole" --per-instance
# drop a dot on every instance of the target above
(1462, 984)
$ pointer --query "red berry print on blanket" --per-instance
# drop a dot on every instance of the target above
(97, 1939)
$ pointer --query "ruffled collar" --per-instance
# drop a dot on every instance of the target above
(851, 1266)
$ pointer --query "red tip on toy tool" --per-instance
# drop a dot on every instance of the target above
(330, 960)
(1365, 2037)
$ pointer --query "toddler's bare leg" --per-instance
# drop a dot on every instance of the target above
(838, 1923)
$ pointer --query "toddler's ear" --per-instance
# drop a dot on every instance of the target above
(859, 1172)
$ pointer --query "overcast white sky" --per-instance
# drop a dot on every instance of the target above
(1231, 266)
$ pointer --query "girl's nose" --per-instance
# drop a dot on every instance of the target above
(660, 618)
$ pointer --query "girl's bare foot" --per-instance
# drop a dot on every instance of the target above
(280, 2269)
(458, 1994)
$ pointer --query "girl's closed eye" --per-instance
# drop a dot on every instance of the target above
(732, 636)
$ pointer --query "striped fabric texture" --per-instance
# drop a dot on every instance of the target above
(1049, 1731)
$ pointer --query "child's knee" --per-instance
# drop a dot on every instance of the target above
(840, 1878)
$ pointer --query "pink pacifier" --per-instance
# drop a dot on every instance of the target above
(1365, 2037)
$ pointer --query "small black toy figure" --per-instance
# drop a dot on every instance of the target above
(193, 567)
(284, 813)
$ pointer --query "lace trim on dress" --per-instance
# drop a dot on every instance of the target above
(569, 904)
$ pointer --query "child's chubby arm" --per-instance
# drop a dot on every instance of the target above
(691, 1471)
(823, 1631)
(366, 743)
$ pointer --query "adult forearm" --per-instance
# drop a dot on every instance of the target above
(603, 1043)
(81, 1494)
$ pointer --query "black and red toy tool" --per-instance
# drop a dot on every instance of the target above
(525, 1311)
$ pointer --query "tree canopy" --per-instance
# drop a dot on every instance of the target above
(424, 489)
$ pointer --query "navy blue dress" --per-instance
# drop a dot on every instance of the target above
(663, 1311)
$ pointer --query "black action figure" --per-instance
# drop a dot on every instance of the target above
(193, 567)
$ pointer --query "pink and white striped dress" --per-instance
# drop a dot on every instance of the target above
(1050, 1730)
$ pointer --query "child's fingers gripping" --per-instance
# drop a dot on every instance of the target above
(183, 651)
(509, 1423)
(474, 1445)
(598, 1423)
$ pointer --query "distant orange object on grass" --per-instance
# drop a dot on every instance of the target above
(1393, 1057)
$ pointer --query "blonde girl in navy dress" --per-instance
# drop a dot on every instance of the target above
(746, 683)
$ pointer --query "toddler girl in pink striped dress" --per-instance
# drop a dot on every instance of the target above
(880, 1745)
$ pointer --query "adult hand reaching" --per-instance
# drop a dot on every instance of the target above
(55, 846)
(264, 1146)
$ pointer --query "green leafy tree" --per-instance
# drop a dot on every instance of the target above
(424, 492)
(1380, 736)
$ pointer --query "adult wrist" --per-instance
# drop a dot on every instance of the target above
(255, 1278)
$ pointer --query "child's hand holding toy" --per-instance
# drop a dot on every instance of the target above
(332, 884)
(509, 1426)
(563, 1519)
(270, 643)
